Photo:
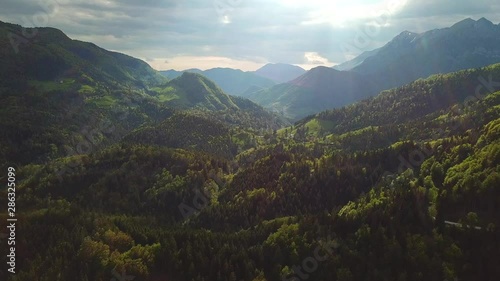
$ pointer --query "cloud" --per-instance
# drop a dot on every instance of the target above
(203, 63)
(249, 32)
(429, 8)
(315, 58)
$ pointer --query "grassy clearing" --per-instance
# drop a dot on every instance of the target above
(47, 86)
(315, 126)
(166, 94)
(105, 101)
(86, 89)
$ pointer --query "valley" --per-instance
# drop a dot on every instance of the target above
(376, 172)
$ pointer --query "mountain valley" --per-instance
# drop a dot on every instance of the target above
(387, 168)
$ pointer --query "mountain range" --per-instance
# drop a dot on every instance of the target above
(241, 83)
(466, 44)
(407, 57)
(280, 72)
(231, 81)
(350, 64)
(61, 89)
(52, 57)
(118, 172)
(319, 89)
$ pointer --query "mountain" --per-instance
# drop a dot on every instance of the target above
(423, 106)
(348, 65)
(236, 82)
(71, 97)
(192, 91)
(232, 81)
(243, 83)
(280, 72)
(129, 179)
(408, 178)
(52, 56)
(409, 56)
(204, 134)
(319, 89)
(68, 96)
(172, 74)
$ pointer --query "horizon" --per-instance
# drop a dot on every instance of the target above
(241, 34)
(251, 70)
(306, 67)
(385, 167)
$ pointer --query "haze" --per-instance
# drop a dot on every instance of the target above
(243, 34)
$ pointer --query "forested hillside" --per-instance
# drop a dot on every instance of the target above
(442, 105)
(319, 89)
(402, 186)
(233, 81)
(65, 97)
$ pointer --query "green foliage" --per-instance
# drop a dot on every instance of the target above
(406, 183)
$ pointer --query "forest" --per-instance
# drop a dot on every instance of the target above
(376, 192)
(156, 179)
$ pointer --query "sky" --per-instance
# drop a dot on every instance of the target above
(243, 34)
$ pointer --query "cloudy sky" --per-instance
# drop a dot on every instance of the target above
(244, 34)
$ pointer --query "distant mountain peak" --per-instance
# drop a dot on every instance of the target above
(470, 23)
(279, 64)
(316, 73)
(407, 57)
(407, 33)
(405, 36)
(197, 81)
(484, 22)
(280, 72)
(190, 75)
(225, 68)
(321, 70)
(464, 22)
(483, 19)
(348, 65)
(322, 67)
(402, 40)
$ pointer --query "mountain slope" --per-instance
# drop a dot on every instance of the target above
(195, 92)
(242, 83)
(425, 106)
(70, 97)
(319, 89)
(52, 56)
(236, 82)
(144, 207)
(232, 81)
(348, 65)
(172, 74)
(188, 131)
(280, 72)
(402, 186)
(409, 56)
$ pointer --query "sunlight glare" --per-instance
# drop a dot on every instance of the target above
(339, 13)
(226, 19)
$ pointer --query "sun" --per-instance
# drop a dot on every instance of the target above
(226, 20)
